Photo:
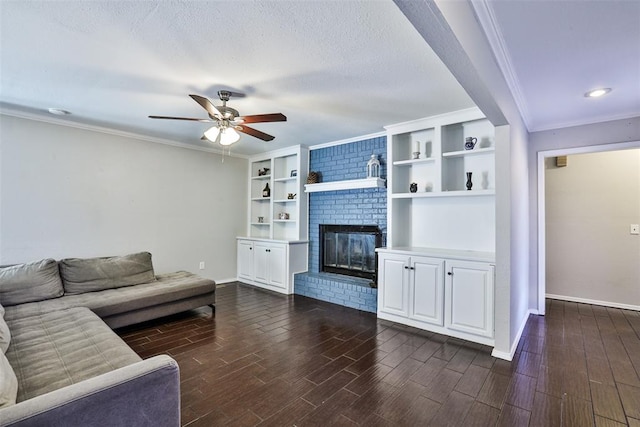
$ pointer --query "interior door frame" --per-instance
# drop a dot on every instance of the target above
(542, 220)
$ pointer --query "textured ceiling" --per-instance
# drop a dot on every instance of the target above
(335, 69)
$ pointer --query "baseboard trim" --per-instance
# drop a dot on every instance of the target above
(509, 356)
(594, 302)
(223, 281)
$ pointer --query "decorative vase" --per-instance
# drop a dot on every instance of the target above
(485, 180)
(469, 183)
(413, 187)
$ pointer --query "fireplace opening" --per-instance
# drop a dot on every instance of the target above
(350, 249)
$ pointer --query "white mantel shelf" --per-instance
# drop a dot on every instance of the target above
(345, 185)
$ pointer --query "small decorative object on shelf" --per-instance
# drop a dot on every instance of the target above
(413, 187)
(294, 172)
(313, 178)
(291, 196)
(373, 167)
(427, 149)
(260, 219)
(429, 187)
(267, 191)
(470, 142)
(469, 183)
(485, 180)
(416, 150)
(263, 171)
(283, 215)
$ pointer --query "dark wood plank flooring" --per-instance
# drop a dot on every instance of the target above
(272, 360)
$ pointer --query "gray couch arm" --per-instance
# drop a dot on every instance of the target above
(146, 393)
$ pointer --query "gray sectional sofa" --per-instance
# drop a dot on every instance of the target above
(60, 362)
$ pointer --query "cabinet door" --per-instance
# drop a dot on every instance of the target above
(469, 288)
(427, 290)
(261, 262)
(278, 266)
(245, 259)
(393, 289)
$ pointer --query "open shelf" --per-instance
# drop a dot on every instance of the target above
(472, 193)
(290, 178)
(414, 161)
(469, 152)
(278, 166)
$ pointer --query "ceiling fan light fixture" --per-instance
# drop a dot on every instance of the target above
(228, 136)
(596, 93)
(212, 133)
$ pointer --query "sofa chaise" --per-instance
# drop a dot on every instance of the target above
(60, 362)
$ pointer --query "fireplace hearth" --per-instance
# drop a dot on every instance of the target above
(349, 249)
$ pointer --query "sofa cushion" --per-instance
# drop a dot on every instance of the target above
(33, 281)
(81, 275)
(5, 333)
(169, 287)
(8, 383)
(61, 348)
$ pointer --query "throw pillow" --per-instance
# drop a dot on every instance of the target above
(81, 275)
(8, 383)
(33, 281)
(5, 334)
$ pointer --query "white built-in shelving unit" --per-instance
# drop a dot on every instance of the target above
(280, 165)
(275, 247)
(442, 213)
(437, 271)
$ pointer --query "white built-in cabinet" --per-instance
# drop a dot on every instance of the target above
(437, 272)
(275, 246)
(271, 264)
(429, 289)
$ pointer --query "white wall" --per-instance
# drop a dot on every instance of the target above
(597, 134)
(589, 207)
(69, 192)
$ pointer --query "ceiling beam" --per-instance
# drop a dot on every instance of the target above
(454, 33)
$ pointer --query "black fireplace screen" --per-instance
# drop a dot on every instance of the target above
(349, 249)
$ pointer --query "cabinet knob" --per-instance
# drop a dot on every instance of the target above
(450, 273)
(406, 267)
(250, 249)
(411, 268)
(268, 250)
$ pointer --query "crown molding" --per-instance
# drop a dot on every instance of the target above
(488, 21)
(109, 131)
(577, 123)
(348, 140)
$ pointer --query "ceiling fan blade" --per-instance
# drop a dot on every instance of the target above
(229, 93)
(180, 118)
(254, 132)
(263, 118)
(207, 105)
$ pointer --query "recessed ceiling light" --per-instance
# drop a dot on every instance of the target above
(59, 111)
(596, 93)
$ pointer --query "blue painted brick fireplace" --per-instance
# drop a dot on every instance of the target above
(348, 207)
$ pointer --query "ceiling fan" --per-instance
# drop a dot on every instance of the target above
(227, 121)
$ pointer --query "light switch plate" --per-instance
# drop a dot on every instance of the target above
(634, 229)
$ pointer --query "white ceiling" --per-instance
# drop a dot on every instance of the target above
(336, 69)
(553, 52)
